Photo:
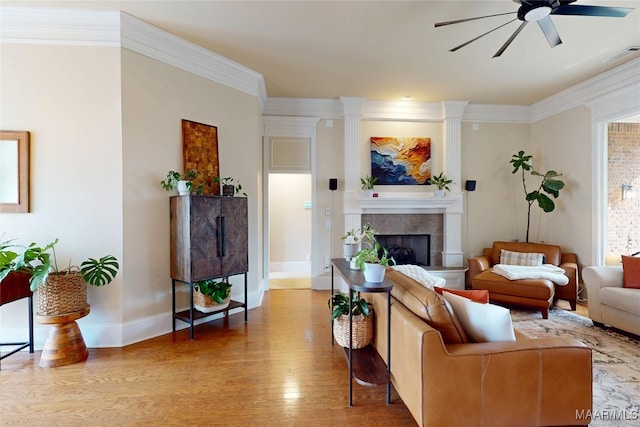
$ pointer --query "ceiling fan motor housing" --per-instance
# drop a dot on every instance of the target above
(534, 10)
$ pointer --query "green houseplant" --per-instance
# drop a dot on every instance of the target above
(373, 259)
(340, 305)
(550, 184)
(353, 238)
(230, 186)
(210, 295)
(183, 183)
(441, 182)
(367, 184)
(61, 290)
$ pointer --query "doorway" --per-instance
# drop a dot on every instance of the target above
(290, 219)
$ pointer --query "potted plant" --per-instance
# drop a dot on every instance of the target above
(353, 238)
(230, 186)
(373, 262)
(60, 290)
(442, 183)
(362, 319)
(210, 295)
(367, 184)
(550, 184)
(183, 183)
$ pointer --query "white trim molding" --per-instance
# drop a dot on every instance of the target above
(108, 28)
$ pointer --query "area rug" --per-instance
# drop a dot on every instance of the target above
(616, 362)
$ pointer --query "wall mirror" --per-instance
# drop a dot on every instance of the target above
(14, 171)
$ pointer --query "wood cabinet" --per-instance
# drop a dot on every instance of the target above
(209, 240)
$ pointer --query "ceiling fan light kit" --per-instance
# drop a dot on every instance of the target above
(540, 11)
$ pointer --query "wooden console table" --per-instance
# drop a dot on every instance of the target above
(15, 287)
(365, 365)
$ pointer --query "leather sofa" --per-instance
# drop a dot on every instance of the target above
(444, 380)
(609, 302)
(533, 293)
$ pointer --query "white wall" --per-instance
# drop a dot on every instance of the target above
(68, 97)
(289, 222)
(156, 97)
(105, 129)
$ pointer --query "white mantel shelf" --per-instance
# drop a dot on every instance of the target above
(418, 203)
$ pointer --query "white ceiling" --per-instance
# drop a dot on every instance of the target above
(384, 50)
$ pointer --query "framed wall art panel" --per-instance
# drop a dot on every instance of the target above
(200, 153)
(401, 161)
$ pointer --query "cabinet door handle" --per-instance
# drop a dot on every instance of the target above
(220, 237)
(222, 243)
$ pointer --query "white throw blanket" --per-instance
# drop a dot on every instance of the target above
(544, 271)
(420, 275)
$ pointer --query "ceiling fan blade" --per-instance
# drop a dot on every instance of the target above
(585, 10)
(440, 24)
(508, 42)
(550, 31)
(481, 35)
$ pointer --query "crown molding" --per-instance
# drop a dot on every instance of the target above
(305, 107)
(100, 28)
(59, 26)
(402, 110)
(619, 78)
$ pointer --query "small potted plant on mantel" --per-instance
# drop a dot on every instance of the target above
(362, 318)
(442, 183)
(183, 183)
(367, 184)
(230, 186)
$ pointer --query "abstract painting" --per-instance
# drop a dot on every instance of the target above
(400, 161)
(200, 154)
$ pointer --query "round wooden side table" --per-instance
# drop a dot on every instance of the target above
(65, 344)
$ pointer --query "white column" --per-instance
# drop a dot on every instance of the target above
(353, 108)
(452, 112)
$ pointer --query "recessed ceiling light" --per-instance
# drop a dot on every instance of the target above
(406, 98)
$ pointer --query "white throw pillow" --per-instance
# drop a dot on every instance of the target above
(520, 258)
(482, 322)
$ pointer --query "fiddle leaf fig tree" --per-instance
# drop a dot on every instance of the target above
(551, 185)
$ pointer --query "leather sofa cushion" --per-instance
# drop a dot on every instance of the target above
(527, 288)
(552, 252)
(427, 305)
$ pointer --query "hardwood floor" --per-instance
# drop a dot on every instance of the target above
(277, 369)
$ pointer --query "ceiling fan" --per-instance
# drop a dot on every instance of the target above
(540, 11)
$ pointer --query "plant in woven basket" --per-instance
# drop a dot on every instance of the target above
(339, 305)
(40, 262)
(362, 328)
(218, 291)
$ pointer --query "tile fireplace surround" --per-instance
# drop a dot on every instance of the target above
(415, 213)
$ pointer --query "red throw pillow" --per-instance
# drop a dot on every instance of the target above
(631, 272)
(477, 295)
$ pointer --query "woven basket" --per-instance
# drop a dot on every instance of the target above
(62, 293)
(206, 304)
(362, 330)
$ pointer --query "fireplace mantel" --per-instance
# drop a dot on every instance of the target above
(450, 206)
(411, 203)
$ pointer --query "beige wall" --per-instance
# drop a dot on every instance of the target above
(68, 97)
(155, 97)
(497, 209)
(563, 143)
(97, 161)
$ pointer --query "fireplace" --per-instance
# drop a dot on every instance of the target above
(423, 233)
(407, 248)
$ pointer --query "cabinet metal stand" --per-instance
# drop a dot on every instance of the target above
(192, 314)
(369, 367)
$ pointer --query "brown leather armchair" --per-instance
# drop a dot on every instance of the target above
(535, 293)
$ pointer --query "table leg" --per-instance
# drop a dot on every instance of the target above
(350, 355)
(389, 347)
(332, 305)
